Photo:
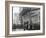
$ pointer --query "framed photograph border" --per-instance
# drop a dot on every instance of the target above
(7, 4)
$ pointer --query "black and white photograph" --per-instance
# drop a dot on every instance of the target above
(25, 18)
